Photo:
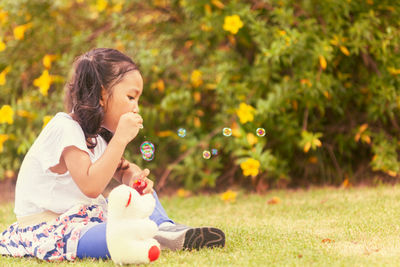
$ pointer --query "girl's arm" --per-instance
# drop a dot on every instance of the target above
(92, 178)
(126, 168)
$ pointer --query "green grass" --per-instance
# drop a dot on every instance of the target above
(362, 225)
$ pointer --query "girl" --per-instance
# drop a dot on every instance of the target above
(61, 213)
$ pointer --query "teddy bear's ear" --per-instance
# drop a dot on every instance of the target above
(119, 195)
(132, 198)
(129, 200)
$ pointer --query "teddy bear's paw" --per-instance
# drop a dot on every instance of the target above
(154, 253)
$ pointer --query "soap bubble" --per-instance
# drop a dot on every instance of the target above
(206, 154)
(260, 132)
(148, 156)
(227, 131)
(214, 151)
(181, 132)
(146, 146)
(147, 149)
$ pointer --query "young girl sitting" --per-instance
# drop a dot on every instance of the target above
(61, 213)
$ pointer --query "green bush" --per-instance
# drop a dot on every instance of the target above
(321, 77)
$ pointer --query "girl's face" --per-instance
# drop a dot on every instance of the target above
(125, 98)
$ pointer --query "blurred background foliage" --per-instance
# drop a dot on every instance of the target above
(321, 77)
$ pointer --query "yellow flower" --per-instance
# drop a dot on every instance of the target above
(196, 78)
(165, 133)
(205, 27)
(25, 114)
(3, 17)
(235, 130)
(43, 82)
(160, 85)
(117, 8)
(101, 5)
(344, 50)
(218, 4)
(28, 17)
(250, 167)
(199, 113)
(282, 32)
(322, 62)
(274, 200)
(229, 196)
(211, 86)
(3, 75)
(6, 114)
(197, 122)
(155, 51)
(9, 174)
(360, 132)
(306, 81)
(345, 183)
(3, 138)
(155, 69)
(363, 127)
(46, 120)
(313, 160)
(307, 147)
(365, 138)
(314, 143)
(245, 113)
(182, 192)
(197, 97)
(182, 3)
(394, 71)
(2, 45)
(317, 142)
(19, 31)
(160, 3)
(251, 139)
(391, 173)
(47, 59)
(207, 9)
(119, 46)
(232, 24)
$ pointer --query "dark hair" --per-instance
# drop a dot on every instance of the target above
(97, 69)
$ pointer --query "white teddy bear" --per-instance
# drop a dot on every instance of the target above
(129, 231)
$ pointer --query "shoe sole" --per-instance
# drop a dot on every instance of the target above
(209, 237)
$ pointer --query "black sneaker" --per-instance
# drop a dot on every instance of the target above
(178, 236)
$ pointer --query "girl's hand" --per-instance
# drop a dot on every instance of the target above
(149, 187)
(128, 127)
(143, 176)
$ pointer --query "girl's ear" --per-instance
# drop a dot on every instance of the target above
(103, 97)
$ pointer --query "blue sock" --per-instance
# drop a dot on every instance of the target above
(159, 215)
(93, 244)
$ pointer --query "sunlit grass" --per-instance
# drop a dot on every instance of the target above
(335, 227)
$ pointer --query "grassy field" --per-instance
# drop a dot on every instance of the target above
(316, 227)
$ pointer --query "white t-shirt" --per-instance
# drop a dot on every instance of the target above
(38, 189)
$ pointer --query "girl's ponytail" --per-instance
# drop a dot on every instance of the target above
(86, 93)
